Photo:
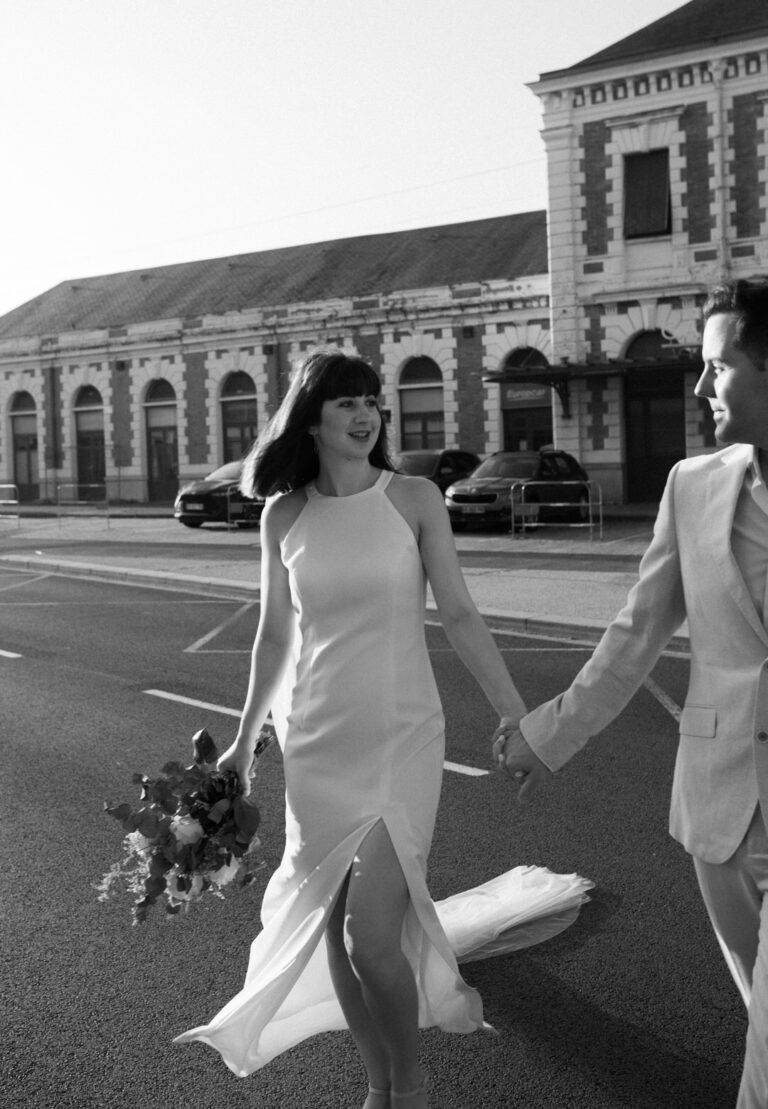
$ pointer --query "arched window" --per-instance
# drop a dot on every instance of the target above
(525, 358)
(89, 443)
(239, 417)
(26, 473)
(422, 419)
(162, 441)
(160, 391)
(654, 346)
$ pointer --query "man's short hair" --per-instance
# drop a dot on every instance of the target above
(748, 301)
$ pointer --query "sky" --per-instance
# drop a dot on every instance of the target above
(139, 133)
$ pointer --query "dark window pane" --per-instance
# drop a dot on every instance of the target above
(646, 194)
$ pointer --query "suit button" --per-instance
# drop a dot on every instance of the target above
(762, 736)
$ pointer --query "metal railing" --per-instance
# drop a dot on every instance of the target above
(243, 513)
(526, 506)
(9, 496)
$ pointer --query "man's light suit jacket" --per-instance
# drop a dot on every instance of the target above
(687, 571)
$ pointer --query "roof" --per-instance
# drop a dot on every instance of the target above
(504, 247)
(694, 25)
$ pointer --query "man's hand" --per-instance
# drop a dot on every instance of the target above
(513, 755)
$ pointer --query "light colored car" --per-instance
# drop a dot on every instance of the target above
(558, 490)
(441, 466)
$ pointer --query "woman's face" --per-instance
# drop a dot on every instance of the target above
(348, 427)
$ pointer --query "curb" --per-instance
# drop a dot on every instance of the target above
(513, 623)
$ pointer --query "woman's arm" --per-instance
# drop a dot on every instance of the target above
(271, 646)
(464, 626)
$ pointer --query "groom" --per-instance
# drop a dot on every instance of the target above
(707, 563)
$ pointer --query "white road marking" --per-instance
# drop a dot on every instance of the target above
(663, 698)
(26, 581)
(471, 771)
(219, 629)
(192, 703)
(10, 654)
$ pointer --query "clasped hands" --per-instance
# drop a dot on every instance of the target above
(513, 755)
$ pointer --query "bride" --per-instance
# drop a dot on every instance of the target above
(350, 936)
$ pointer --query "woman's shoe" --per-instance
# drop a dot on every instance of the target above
(377, 1099)
(414, 1099)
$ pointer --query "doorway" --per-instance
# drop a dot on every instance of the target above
(162, 443)
(26, 471)
(655, 429)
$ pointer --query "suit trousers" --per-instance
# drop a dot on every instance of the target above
(736, 896)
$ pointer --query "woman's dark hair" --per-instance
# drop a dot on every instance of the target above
(284, 458)
(748, 301)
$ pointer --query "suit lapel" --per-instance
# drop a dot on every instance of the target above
(723, 490)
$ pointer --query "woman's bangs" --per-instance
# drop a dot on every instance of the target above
(352, 378)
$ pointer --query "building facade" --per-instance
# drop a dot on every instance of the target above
(657, 176)
(578, 326)
(133, 408)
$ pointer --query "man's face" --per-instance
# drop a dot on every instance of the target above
(736, 388)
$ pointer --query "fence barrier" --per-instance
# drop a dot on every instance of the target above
(527, 505)
(9, 496)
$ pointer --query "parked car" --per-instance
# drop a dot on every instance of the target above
(442, 467)
(534, 478)
(217, 499)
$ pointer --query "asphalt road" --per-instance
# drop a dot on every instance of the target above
(631, 1007)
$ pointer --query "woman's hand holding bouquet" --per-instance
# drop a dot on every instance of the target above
(194, 831)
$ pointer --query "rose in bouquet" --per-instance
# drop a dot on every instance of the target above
(191, 832)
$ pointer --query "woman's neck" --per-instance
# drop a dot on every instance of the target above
(344, 479)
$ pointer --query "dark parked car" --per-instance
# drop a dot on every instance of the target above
(217, 499)
(442, 467)
(534, 479)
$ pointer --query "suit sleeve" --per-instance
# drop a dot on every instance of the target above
(626, 654)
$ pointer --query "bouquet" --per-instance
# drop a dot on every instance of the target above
(192, 832)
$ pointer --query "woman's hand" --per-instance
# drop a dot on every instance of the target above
(512, 754)
(239, 757)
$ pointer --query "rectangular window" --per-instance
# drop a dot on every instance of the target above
(647, 206)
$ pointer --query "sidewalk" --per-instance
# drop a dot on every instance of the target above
(572, 592)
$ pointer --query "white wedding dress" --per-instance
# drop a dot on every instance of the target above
(362, 735)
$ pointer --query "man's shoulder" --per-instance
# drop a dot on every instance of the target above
(737, 453)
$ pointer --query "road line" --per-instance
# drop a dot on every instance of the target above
(220, 628)
(26, 581)
(10, 654)
(470, 771)
(663, 698)
(192, 703)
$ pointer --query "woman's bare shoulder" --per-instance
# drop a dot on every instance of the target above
(281, 513)
(417, 491)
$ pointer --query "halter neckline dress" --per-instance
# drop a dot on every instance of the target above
(362, 734)
(363, 741)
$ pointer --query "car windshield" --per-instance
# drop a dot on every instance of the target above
(507, 466)
(230, 471)
(417, 465)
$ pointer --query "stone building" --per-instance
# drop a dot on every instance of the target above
(140, 380)
(578, 326)
(656, 151)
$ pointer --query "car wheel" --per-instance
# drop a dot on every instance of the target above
(192, 523)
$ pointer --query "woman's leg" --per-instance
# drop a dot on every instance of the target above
(383, 1006)
(369, 1041)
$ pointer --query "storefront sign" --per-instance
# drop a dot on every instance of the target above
(524, 395)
